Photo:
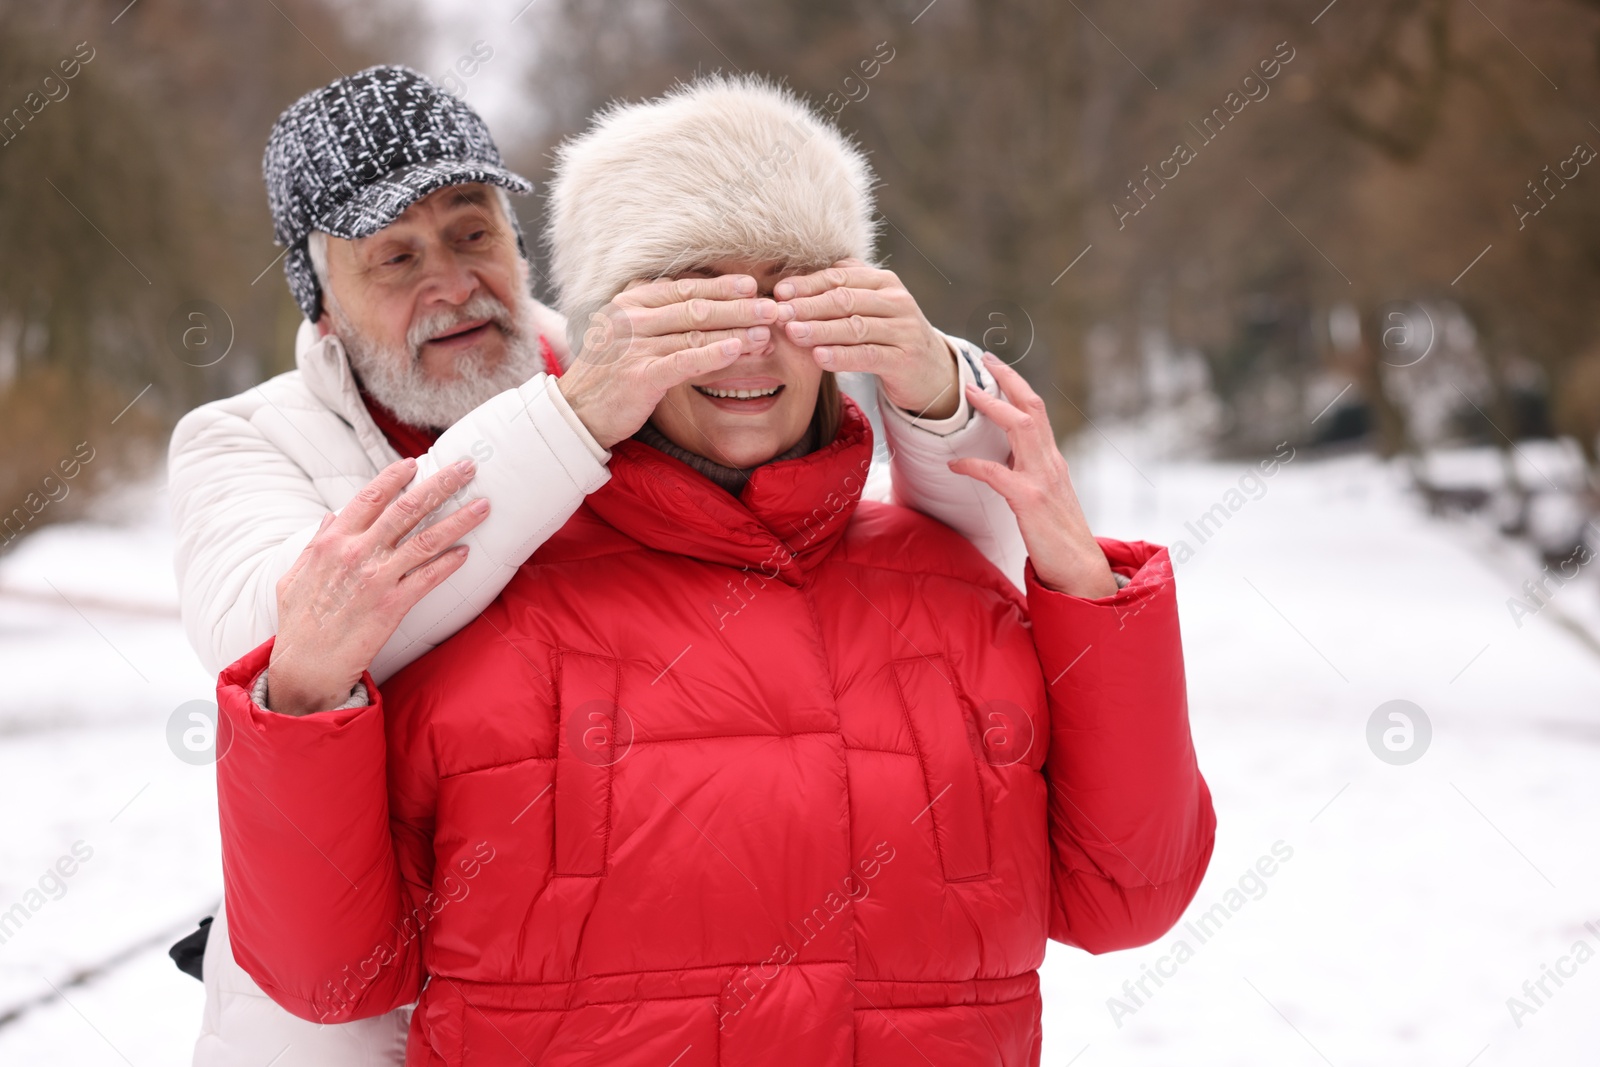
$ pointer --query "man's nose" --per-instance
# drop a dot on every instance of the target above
(452, 282)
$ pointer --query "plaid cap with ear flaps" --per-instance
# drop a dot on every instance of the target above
(351, 157)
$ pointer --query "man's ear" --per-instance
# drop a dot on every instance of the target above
(324, 324)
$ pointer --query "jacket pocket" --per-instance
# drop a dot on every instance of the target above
(594, 733)
(947, 747)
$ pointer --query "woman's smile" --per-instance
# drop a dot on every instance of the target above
(745, 396)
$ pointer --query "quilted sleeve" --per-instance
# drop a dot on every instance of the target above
(243, 511)
(1131, 821)
(322, 898)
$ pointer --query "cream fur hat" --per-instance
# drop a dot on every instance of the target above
(721, 168)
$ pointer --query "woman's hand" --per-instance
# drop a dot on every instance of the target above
(1037, 486)
(859, 318)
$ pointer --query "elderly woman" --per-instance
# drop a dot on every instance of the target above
(738, 769)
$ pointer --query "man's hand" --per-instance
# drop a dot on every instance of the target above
(1037, 486)
(657, 335)
(859, 318)
(346, 594)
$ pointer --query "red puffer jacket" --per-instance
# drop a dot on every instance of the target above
(768, 780)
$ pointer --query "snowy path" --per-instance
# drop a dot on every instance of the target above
(84, 760)
(1414, 900)
(1418, 898)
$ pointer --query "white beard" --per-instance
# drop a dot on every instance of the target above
(395, 377)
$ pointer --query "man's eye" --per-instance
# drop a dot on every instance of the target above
(476, 235)
(399, 259)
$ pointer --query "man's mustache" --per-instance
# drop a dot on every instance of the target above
(434, 324)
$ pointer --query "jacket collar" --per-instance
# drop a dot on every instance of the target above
(325, 369)
(789, 517)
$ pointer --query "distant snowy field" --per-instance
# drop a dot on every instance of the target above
(1415, 900)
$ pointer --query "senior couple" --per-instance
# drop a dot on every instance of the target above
(586, 704)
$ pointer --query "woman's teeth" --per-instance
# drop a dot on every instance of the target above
(738, 394)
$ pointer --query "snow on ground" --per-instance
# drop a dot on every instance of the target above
(1379, 914)
(95, 663)
(1418, 898)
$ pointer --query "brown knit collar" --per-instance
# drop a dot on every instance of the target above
(733, 479)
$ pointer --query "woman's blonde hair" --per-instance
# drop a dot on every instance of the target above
(830, 409)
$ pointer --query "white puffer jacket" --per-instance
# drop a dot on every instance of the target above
(252, 477)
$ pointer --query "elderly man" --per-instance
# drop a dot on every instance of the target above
(427, 375)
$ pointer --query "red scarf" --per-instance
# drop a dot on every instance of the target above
(412, 441)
